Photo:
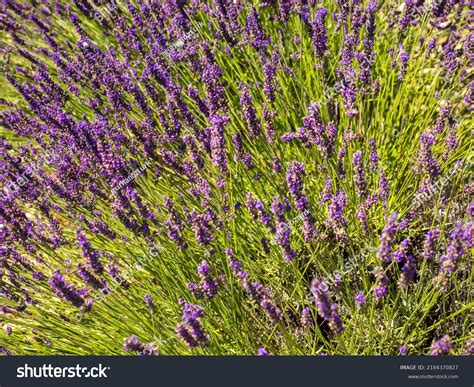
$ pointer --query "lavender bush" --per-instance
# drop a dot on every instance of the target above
(236, 177)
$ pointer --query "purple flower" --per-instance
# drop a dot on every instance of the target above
(450, 54)
(38, 276)
(347, 75)
(452, 141)
(194, 94)
(470, 209)
(306, 318)
(380, 289)
(441, 346)
(444, 118)
(401, 253)
(326, 193)
(360, 298)
(403, 350)
(449, 260)
(408, 14)
(362, 216)
(90, 255)
(190, 331)
(429, 245)
(258, 211)
(343, 8)
(149, 301)
(277, 167)
(469, 347)
(359, 175)
(203, 225)
(65, 290)
(250, 114)
(207, 287)
(404, 58)
(263, 352)
(134, 345)
(282, 232)
(174, 223)
(294, 180)
(373, 157)
(407, 272)
(318, 33)
(268, 115)
(468, 231)
(114, 272)
(336, 219)
(430, 47)
(439, 9)
(269, 81)
(313, 132)
(255, 290)
(210, 75)
(255, 32)
(384, 254)
(90, 279)
(320, 291)
(241, 155)
(469, 97)
(217, 142)
(384, 189)
(366, 58)
(326, 310)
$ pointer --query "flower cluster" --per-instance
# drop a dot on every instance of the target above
(190, 331)
(132, 344)
(294, 179)
(459, 240)
(282, 230)
(441, 346)
(207, 287)
(65, 290)
(325, 309)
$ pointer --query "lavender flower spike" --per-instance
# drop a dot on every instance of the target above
(250, 114)
(217, 142)
(384, 253)
(190, 331)
(318, 34)
(282, 230)
(134, 345)
(359, 175)
(65, 290)
(294, 179)
(429, 245)
(326, 310)
(149, 301)
(207, 287)
(441, 346)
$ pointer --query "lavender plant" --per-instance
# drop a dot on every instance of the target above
(236, 177)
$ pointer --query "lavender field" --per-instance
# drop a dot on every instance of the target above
(236, 177)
